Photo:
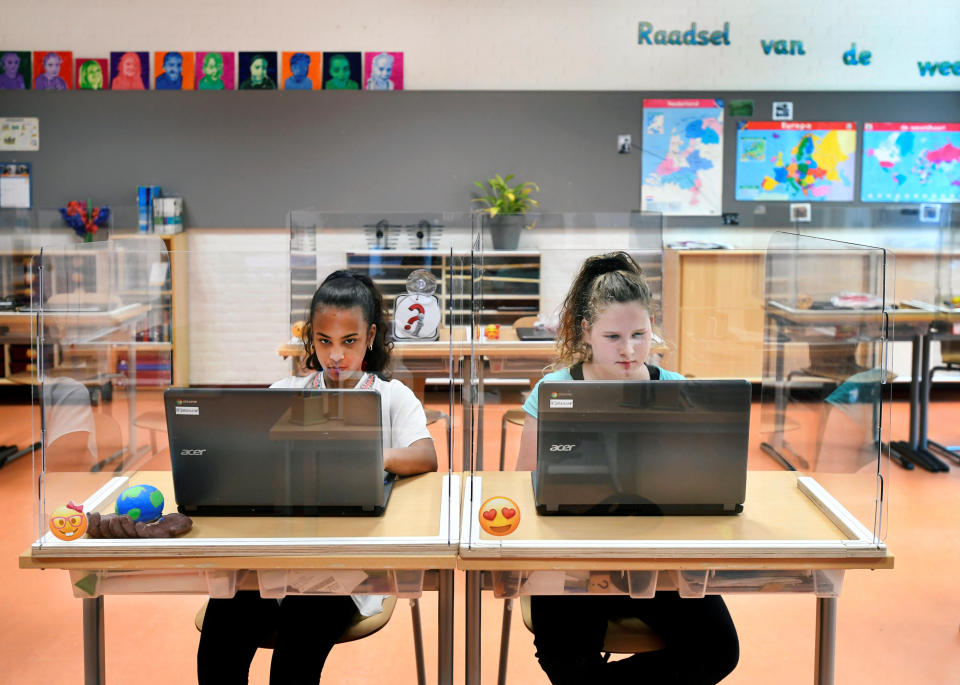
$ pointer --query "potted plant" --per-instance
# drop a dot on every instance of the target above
(506, 207)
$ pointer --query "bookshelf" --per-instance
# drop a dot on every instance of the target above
(162, 339)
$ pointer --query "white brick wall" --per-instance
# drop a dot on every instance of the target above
(239, 290)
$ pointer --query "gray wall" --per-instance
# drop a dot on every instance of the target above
(243, 159)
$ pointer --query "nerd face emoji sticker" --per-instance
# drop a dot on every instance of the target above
(499, 516)
(68, 522)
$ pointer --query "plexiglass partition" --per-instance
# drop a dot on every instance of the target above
(272, 473)
(944, 333)
(948, 262)
(635, 486)
(826, 395)
(524, 266)
(918, 234)
(100, 335)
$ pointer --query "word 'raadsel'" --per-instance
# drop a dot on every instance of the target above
(677, 37)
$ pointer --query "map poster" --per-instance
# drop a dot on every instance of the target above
(796, 161)
(682, 159)
(910, 162)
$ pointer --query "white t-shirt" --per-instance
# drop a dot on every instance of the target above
(401, 414)
(403, 422)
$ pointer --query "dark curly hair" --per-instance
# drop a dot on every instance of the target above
(345, 290)
(603, 279)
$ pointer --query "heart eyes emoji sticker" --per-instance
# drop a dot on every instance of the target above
(499, 516)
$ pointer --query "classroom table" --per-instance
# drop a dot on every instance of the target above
(792, 536)
(431, 358)
(945, 327)
(412, 547)
(908, 321)
(21, 324)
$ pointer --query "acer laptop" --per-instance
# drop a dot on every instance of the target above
(532, 333)
(281, 452)
(642, 447)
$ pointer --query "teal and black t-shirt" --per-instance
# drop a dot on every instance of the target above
(575, 373)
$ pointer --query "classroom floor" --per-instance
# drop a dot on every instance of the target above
(893, 626)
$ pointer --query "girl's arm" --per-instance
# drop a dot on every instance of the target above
(419, 457)
(528, 445)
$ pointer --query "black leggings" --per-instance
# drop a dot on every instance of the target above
(700, 638)
(306, 629)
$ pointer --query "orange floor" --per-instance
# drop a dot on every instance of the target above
(894, 626)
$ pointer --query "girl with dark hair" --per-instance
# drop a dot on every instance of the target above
(605, 333)
(345, 340)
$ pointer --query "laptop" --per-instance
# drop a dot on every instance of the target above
(642, 447)
(280, 452)
(533, 333)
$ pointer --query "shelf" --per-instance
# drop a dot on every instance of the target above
(516, 273)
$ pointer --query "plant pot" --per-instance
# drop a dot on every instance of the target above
(505, 231)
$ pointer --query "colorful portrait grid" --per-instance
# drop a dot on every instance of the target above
(206, 70)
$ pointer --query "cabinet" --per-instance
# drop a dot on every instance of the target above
(713, 313)
(162, 349)
(17, 356)
(149, 306)
(510, 286)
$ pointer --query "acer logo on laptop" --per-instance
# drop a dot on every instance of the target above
(562, 448)
(192, 453)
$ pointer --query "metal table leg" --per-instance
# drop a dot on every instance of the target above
(826, 644)
(472, 647)
(923, 397)
(915, 451)
(445, 629)
(915, 371)
(93, 650)
(505, 641)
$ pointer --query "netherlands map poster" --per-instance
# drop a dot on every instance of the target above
(682, 159)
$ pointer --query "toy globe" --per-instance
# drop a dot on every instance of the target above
(141, 503)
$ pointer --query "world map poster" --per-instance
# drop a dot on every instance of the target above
(682, 160)
(910, 162)
(796, 161)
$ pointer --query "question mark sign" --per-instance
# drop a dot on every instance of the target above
(413, 319)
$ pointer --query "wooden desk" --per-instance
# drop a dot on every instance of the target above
(790, 526)
(442, 357)
(412, 547)
(18, 324)
(908, 321)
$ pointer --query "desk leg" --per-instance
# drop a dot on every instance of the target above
(924, 394)
(472, 647)
(93, 651)
(445, 629)
(915, 452)
(826, 640)
(915, 378)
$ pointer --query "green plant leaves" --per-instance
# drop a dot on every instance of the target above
(504, 199)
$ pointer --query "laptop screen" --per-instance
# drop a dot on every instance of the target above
(275, 451)
(645, 447)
